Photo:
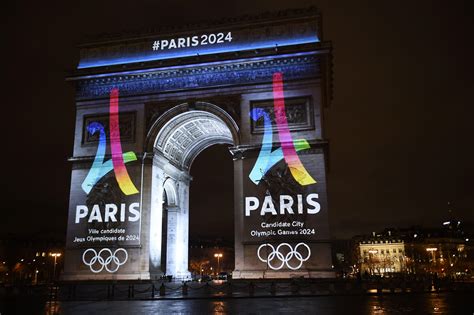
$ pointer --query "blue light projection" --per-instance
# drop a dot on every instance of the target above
(151, 55)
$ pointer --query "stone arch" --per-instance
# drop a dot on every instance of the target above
(170, 114)
(185, 136)
(169, 187)
(169, 210)
(179, 136)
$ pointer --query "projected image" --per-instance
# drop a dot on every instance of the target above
(277, 259)
(111, 261)
(100, 168)
(285, 209)
(268, 158)
(107, 218)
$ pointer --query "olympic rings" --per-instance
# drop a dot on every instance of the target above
(104, 262)
(284, 259)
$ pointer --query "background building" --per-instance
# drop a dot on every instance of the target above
(381, 254)
(33, 259)
(446, 251)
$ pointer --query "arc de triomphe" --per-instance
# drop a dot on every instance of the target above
(147, 105)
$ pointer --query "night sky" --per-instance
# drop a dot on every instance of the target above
(400, 125)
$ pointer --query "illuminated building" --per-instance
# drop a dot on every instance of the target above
(381, 254)
(146, 107)
(446, 251)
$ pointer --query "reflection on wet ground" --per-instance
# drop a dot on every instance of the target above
(422, 303)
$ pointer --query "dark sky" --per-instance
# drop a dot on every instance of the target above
(400, 124)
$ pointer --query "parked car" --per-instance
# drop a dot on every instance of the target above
(222, 276)
(205, 278)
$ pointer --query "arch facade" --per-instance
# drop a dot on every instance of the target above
(144, 111)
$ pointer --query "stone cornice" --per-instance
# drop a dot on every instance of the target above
(235, 56)
(244, 151)
(90, 158)
(294, 67)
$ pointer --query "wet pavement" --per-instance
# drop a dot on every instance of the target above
(415, 303)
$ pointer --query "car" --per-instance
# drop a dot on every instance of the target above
(222, 275)
(205, 278)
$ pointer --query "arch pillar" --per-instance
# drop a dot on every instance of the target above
(182, 237)
(172, 250)
(168, 179)
(156, 218)
(238, 217)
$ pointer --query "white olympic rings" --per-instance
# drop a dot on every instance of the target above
(284, 259)
(104, 262)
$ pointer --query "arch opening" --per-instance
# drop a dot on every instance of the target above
(211, 224)
(181, 139)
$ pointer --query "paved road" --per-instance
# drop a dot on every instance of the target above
(413, 303)
(420, 303)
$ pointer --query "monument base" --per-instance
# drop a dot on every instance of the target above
(289, 274)
(104, 277)
(183, 275)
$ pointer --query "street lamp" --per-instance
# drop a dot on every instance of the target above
(55, 255)
(36, 276)
(218, 256)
